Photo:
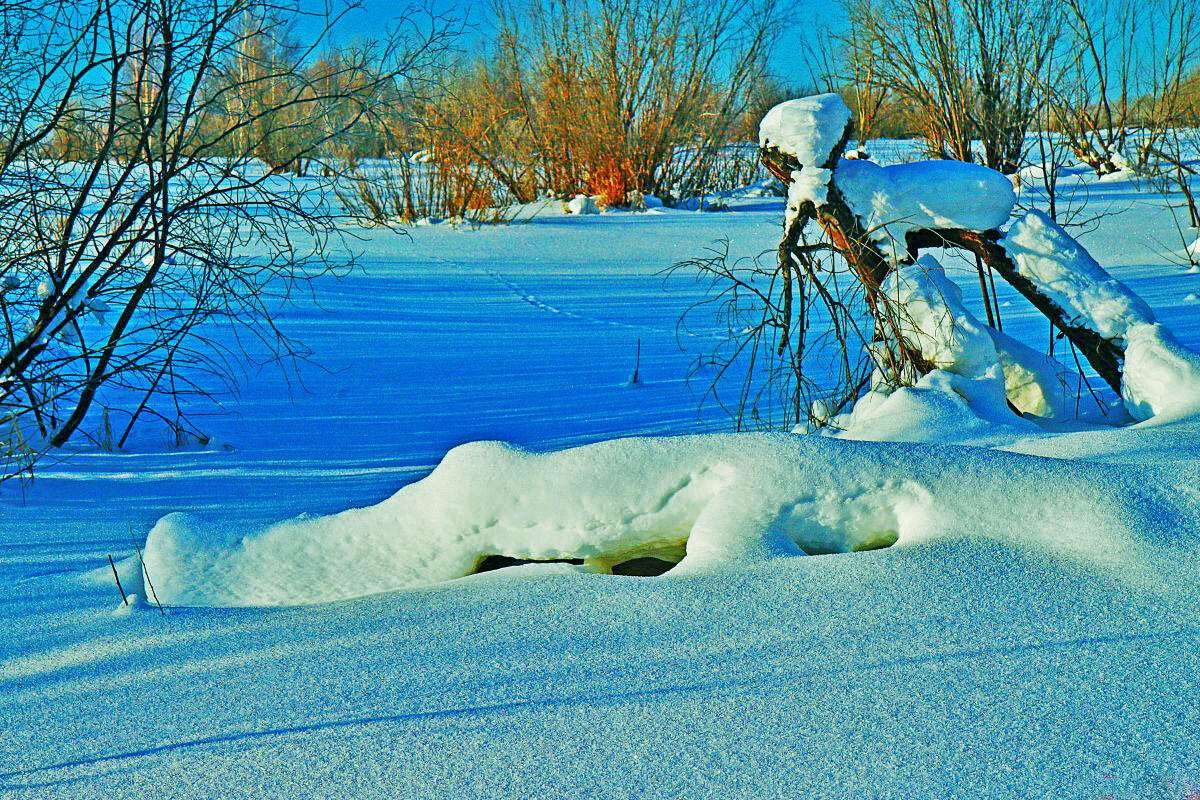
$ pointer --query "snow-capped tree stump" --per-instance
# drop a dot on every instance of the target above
(805, 129)
(835, 216)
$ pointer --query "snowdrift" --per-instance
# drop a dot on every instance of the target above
(710, 502)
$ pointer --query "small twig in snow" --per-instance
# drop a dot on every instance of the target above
(117, 578)
(145, 572)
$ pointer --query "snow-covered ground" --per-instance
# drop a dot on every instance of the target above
(1034, 631)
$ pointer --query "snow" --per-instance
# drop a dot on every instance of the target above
(892, 200)
(932, 317)
(809, 184)
(1056, 264)
(729, 500)
(807, 128)
(978, 370)
(583, 204)
(1035, 620)
(1033, 382)
(940, 405)
(1161, 376)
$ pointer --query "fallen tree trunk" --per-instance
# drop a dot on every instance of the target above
(1105, 355)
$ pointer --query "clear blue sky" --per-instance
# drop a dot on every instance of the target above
(787, 61)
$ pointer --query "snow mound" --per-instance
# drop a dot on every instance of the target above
(807, 128)
(992, 369)
(716, 500)
(940, 407)
(1161, 377)
(1062, 269)
(891, 201)
(1033, 381)
(932, 317)
(583, 204)
(978, 373)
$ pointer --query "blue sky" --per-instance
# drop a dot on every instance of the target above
(787, 61)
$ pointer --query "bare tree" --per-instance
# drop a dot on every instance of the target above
(1167, 111)
(1093, 100)
(842, 62)
(967, 66)
(118, 268)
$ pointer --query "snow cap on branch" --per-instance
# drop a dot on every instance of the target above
(808, 129)
(891, 201)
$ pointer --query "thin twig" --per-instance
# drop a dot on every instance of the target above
(145, 572)
(117, 578)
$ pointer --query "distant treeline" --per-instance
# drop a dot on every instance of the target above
(623, 98)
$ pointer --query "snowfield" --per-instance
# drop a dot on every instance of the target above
(1032, 631)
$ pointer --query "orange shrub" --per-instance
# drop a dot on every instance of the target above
(612, 180)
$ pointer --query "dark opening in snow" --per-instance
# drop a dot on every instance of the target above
(500, 562)
(647, 567)
(642, 567)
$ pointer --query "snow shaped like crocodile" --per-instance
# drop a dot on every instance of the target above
(715, 500)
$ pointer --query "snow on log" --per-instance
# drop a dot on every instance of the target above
(881, 217)
(892, 201)
(1159, 376)
(1103, 354)
(808, 128)
(1064, 271)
